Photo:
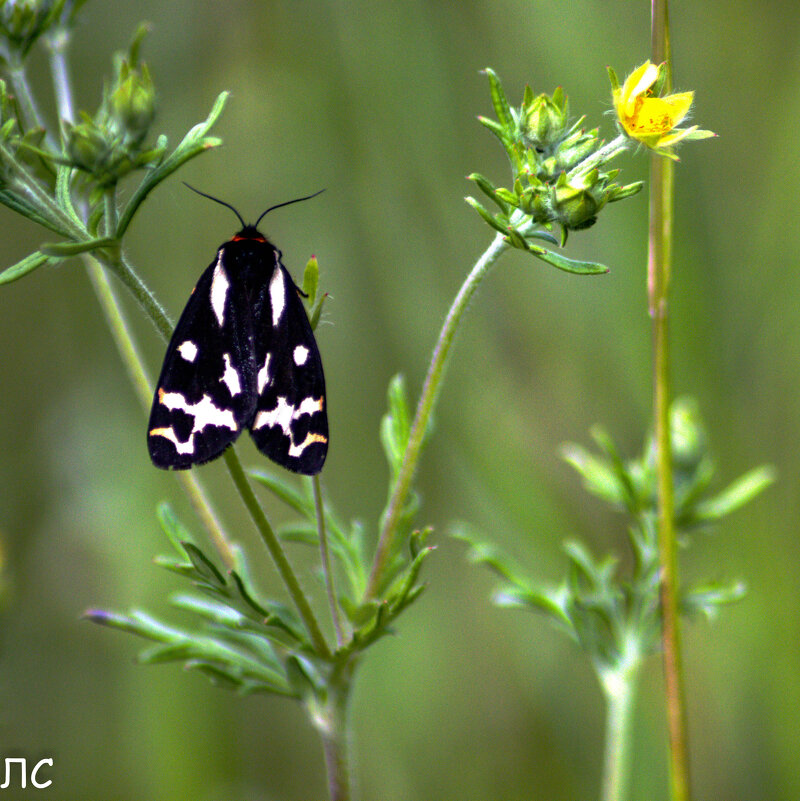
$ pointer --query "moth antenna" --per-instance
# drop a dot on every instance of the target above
(285, 203)
(221, 202)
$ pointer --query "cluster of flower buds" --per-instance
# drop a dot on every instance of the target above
(110, 144)
(558, 170)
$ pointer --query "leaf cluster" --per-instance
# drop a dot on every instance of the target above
(614, 615)
(250, 644)
(66, 180)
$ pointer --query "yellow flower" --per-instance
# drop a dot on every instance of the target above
(650, 119)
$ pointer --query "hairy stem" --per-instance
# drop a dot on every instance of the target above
(427, 401)
(658, 269)
(601, 156)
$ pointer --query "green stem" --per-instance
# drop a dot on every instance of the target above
(659, 268)
(276, 552)
(141, 292)
(24, 181)
(116, 321)
(31, 118)
(110, 200)
(123, 338)
(325, 558)
(601, 156)
(619, 688)
(427, 401)
(334, 730)
(58, 42)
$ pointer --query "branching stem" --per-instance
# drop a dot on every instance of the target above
(427, 401)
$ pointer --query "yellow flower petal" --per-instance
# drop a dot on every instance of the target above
(637, 83)
(681, 103)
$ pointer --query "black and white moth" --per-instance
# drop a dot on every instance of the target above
(243, 355)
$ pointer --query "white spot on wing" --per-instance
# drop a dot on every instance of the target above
(230, 377)
(264, 377)
(277, 295)
(188, 350)
(219, 290)
(204, 412)
(300, 355)
(282, 416)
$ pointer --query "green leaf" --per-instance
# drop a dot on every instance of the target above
(497, 129)
(498, 225)
(490, 191)
(499, 100)
(285, 491)
(203, 565)
(25, 266)
(311, 279)
(194, 143)
(176, 532)
(569, 265)
(547, 602)
(708, 600)
(66, 249)
(737, 494)
(396, 424)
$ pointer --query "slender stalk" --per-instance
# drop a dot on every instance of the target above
(115, 319)
(620, 690)
(658, 269)
(325, 559)
(334, 730)
(129, 353)
(31, 117)
(276, 552)
(601, 156)
(427, 400)
(145, 298)
(58, 42)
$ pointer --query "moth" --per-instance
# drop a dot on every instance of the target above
(243, 356)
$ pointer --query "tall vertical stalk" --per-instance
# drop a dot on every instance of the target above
(658, 280)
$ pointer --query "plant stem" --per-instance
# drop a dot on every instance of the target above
(604, 154)
(58, 42)
(120, 331)
(276, 552)
(115, 319)
(427, 400)
(334, 730)
(31, 118)
(658, 280)
(325, 559)
(619, 688)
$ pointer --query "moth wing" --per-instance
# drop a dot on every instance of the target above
(290, 425)
(205, 395)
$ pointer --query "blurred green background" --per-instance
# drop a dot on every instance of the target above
(376, 101)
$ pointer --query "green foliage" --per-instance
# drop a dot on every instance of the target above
(66, 181)
(616, 618)
(251, 644)
(558, 175)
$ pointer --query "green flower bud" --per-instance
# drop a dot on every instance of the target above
(689, 442)
(575, 202)
(87, 147)
(133, 101)
(545, 121)
(22, 22)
